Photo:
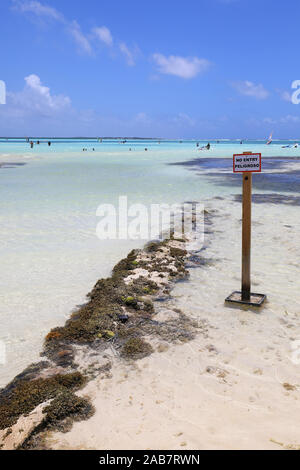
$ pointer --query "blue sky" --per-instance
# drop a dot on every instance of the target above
(190, 69)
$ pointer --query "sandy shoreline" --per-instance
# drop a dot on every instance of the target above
(233, 384)
(117, 318)
(236, 385)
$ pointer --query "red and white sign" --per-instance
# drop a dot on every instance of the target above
(250, 162)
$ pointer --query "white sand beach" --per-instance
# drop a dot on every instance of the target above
(237, 384)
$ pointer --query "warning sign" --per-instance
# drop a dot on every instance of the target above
(247, 162)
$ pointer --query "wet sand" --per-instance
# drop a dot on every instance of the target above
(117, 317)
(236, 385)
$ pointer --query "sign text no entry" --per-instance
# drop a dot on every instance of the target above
(247, 162)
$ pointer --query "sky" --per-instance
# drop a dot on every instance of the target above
(198, 69)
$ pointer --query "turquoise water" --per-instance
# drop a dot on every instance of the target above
(224, 148)
(50, 255)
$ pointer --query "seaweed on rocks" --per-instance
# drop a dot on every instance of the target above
(63, 406)
(114, 297)
(136, 348)
(65, 409)
(25, 395)
(119, 315)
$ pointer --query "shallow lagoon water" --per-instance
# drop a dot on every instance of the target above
(50, 255)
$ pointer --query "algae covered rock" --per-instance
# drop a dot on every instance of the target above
(67, 405)
(130, 301)
(136, 348)
(26, 395)
(109, 334)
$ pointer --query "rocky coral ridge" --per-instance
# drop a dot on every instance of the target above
(119, 305)
(119, 314)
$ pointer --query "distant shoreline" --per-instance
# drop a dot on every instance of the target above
(85, 138)
(192, 139)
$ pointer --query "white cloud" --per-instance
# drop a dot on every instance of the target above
(183, 67)
(248, 88)
(35, 7)
(37, 98)
(290, 119)
(81, 40)
(285, 95)
(269, 120)
(37, 110)
(34, 84)
(179, 121)
(143, 118)
(104, 35)
(44, 11)
(130, 54)
(184, 119)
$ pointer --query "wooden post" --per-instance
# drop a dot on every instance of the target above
(246, 163)
(246, 237)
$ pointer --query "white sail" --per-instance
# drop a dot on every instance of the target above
(270, 139)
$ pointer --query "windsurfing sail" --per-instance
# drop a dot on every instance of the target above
(270, 139)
